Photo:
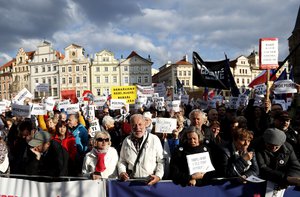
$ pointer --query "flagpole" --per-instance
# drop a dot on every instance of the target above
(267, 98)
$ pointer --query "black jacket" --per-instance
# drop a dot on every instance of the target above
(277, 166)
(53, 163)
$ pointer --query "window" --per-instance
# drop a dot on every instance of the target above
(77, 68)
(63, 69)
(139, 79)
(248, 80)
(175, 73)
(125, 68)
(106, 79)
(114, 79)
(70, 69)
(70, 79)
(44, 80)
(63, 80)
(36, 70)
(184, 73)
(125, 79)
(78, 93)
(97, 69)
(246, 71)
(98, 92)
(49, 81)
(237, 80)
(243, 80)
(182, 82)
(45, 59)
(146, 79)
(180, 73)
(114, 68)
(54, 91)
(77, 79)
(84, 79)
(54, 80)
(106, 69)
(49, 68)
(43, 69)
(84, 68)
(98, 79)
(189, 73)
(36, 80)
(54, 68)
(187, 82)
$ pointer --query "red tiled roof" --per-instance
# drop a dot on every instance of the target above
(59, 55)
(8, 64)
(30, 54)
(183, 62)
(133, 53)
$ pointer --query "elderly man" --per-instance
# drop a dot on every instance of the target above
(50, 158)
(141, 154)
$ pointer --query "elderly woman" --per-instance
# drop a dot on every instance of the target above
(237, 159)
(102, 160)
(179, 169)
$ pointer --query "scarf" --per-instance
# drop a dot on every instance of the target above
(100, 165)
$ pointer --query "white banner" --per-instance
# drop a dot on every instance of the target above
(21, 110)
(22, 95)
(285, 87)
(38, 109)
(2, 106)
(42, 87)
(11, 187)
(165, 125)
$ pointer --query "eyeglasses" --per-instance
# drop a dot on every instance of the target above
(102, 139)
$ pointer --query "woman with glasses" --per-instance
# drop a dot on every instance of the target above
(102, 160)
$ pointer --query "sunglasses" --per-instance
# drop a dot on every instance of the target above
(102, 139)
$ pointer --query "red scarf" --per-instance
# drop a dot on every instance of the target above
(100, 166)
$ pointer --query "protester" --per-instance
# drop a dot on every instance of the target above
(215, 128)
(101, 161)
(148, 119)
(192, 143)
(4, 161)
(237, 160)
(50, 158)
(141, 154)
(109, 125)
(277, 160)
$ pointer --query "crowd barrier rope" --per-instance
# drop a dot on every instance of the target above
(82, 187)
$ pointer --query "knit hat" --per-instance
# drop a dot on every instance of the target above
(39, 138)
(274, 136)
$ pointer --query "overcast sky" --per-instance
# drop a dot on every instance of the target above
(164, 29)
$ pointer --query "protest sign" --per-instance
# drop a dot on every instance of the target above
(260, 89)
(233, 102)
(165, 125)
(128, 93)
(185, 99)
(21, 110)
(173, 106)
(95, 127)
(199, 162)
(72, 108)
(38, 109)
(22, 95)
(117, 104)
(284, 87)
(49, 103)
(42, 87)
(63, 104)
(160, 88)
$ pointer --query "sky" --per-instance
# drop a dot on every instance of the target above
(166, 30)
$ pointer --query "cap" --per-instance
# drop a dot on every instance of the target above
(39, 138)
(282, 115)
(274, 136)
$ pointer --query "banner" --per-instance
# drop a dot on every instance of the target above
(129, 93)
(284, 87)
(210, 74)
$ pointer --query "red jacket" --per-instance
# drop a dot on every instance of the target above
(68, 143)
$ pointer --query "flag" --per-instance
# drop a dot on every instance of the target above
(88, 95)
(210, 74)
(205, 94)
(235, 92)
(179, 87)
(282, 76)
(211, 94)
(262, 78)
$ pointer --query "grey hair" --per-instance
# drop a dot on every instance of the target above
(192, 129)
(108, 120)
(136, 115)
(196, 111)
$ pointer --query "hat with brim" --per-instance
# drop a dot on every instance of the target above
(39, 138)
(283, 115)
(274, 136)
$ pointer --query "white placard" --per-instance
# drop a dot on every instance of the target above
(63, 104)
(90, 112)
(117, 103)
(49, 103)
(2, 106)
(139, 102)
(285, 87)
(185, 99)
(145, 90)
(21, 110)
(100, 100)
(22, 95)
(173, 106)
(255, 179)
(160, 88)
(268, 53)
(165, 125)
(199, 162)
(233, 102)
(38, 109)
(95, 127)
(72, 108)
(42, 87)
(260, 89)
(281, 102)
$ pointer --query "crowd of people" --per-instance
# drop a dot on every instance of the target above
(260, 141)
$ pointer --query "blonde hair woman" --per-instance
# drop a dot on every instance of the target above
(102, 160)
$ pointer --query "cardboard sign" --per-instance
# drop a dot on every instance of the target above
(2, 106)
(128, 93)
(165, 125)
(199, 162)
(117, 104)
(42, 87)
(95, 127)
(90, 112)
(282, 103)
(72, 108)
(22, 95)
(21, 110)
(38, 109)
